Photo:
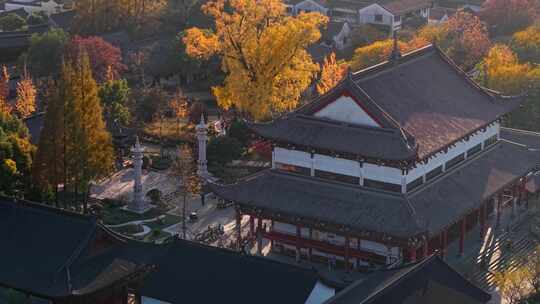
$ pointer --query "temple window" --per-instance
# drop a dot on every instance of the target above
(337, 177)
(381, 185)
(474, 150)
(454, 161)
(415, 184)
(490, 141)
(293, 169)
(434, 173)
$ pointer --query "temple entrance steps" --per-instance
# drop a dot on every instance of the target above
(510, 259)
(505, 250)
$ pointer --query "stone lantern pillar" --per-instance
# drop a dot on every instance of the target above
(202, 138)
(138, 204)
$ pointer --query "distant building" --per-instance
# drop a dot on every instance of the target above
(394, 13)
(382, 12)
(336, 34)
(35, 6)
(438, 15)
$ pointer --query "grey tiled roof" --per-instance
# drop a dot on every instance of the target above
(422, 97)
(457, 192)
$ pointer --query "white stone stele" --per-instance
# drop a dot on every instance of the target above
(138, 204)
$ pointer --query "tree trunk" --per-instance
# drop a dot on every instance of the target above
(184, 220)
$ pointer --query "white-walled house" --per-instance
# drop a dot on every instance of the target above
(336, 34)
(438, 15)
(34, 6)
(297, 7)
(393, 13)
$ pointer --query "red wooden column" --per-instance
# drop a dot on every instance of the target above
(514, 199)
(358, 247)
(444, 239)
(251, 226)
(499, 208)
(298, 240)
(310, 250)
(482, 220)
(412, 254)
(347, 243)
(462, 235)
(271, 229)
(238, 229)
(259, 235)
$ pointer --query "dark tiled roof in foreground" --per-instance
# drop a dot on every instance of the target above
(37, 243)
(426, 282)
(41, 245)
(458, 192)
(195, 273)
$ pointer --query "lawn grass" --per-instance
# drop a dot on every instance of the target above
(155, 235)
(169, 130)
(115, 216)
(129, 229)
(165, 222)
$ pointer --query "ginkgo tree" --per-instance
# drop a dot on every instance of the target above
(263, 52)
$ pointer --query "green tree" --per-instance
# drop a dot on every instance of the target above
(114, 95)
(239, 130)
(12, 22)
(223, 149)
(48, 170)
(188, 182)
(37, 18)
(89, 145)
(84, 150)
(44, 56)
(526, 43)
(16, 153)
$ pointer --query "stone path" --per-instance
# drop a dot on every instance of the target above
(138, 222)
(249, 164)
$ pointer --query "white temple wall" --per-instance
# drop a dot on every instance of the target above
(459, 148)
(375, 172)
(292, 157)
(336, 165)
(382, 173)
(345, 109)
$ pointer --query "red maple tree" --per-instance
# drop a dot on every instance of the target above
(104, 57)
(507, 16)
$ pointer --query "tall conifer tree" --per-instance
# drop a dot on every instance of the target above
(75, 147)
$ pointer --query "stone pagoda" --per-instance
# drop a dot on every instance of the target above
(138, 204)
(202, 138)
